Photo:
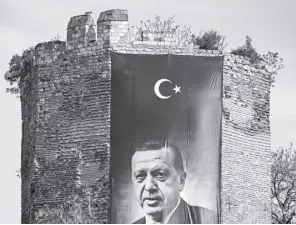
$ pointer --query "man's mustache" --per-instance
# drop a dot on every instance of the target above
(151, 197)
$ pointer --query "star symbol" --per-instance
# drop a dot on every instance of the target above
(176, 89)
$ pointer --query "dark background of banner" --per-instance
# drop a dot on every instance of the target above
(190, 119)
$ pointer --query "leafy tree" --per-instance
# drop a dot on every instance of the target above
(247, 50)
(273, 64)
(283, 185)
(270, 61)
(19, 66)
(210, 40)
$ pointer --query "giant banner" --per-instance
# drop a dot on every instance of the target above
(165, 138)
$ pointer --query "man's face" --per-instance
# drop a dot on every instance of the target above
(156, 181)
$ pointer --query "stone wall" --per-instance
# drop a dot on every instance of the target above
(29, 115)
(246, 147)
(66, 125)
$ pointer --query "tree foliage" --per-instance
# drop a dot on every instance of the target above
(273, 63)
(19, 66)
(270, 61)
(247, 50)
(283, 185)
(210, 40)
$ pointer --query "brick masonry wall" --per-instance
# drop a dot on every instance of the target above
(246, 147)
(72, 137)
(66, 125)
(29, 115)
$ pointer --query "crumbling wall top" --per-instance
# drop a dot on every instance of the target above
(51, 45)
(113, 15)
(81, 20)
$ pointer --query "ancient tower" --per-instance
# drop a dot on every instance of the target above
(66, 124)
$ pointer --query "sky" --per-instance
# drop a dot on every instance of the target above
(270, 23)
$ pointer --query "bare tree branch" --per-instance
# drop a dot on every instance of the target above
(283, 191)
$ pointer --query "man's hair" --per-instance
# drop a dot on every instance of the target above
(158, 145)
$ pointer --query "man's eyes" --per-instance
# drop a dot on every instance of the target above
(140, 177)
(161, 176)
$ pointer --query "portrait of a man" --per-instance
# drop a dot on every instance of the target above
(165, 148)
(158, 177)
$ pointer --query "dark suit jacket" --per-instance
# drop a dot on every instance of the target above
(187, 214)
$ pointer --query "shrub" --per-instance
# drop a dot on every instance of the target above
(273, 63)
(247, 50)
(19, 66)
(210, 40)
(162, 29)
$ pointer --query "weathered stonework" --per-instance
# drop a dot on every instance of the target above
(66, 124)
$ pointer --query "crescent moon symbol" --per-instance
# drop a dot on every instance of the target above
(156, 88)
